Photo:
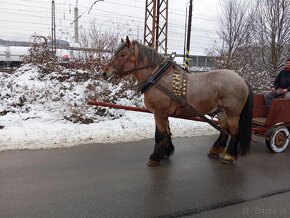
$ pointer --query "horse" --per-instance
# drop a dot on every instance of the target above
(221, 91)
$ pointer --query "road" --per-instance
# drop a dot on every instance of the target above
(112, 180)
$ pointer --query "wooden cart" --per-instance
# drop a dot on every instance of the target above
(272, 123)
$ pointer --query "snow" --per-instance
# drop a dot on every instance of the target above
(46, 116)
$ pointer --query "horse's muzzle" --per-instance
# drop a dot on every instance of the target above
(108, 72)
(107, 76)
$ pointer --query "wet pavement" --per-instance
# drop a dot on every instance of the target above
(113, 180)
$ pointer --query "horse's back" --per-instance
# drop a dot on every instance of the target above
(225, 74)
(228, 79)
(225, 88)
(220, 79)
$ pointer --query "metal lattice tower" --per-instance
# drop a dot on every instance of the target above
(155, 29)
(53, 38)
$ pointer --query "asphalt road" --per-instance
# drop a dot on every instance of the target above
(113, 180)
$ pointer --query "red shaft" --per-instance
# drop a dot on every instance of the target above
(110, 105)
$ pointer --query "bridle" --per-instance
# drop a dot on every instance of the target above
(122, 72)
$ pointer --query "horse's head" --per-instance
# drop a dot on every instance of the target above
(123, 62)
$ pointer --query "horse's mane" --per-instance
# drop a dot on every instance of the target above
(152, 56)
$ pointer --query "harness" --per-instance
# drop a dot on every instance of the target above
(166, 66)
(179, 89)
(179, 86)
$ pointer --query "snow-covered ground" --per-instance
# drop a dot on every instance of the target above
(33, 108)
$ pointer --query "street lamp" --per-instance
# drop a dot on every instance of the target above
(94, 4)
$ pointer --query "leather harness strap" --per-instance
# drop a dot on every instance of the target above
(165, 67)
(183, 102)
(179, 90)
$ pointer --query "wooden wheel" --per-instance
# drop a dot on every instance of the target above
(277, 138)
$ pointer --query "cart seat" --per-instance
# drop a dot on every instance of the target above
(260, 120)
(277, 113)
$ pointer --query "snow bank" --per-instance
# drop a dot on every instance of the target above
(36, 113)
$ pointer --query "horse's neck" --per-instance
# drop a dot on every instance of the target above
(143, 74)
(145, 67)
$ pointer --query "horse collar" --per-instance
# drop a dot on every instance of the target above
(156, 76)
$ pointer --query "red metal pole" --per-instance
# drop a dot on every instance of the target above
(105, 104)
(110, 105)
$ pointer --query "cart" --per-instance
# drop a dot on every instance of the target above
(272, 123)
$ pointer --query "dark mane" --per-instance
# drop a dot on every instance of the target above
(152, 56)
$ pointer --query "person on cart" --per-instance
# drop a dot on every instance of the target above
(281, 86)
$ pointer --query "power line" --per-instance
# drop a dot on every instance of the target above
(108, 2)
(97, 15)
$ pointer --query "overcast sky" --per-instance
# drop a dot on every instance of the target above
(19, 19)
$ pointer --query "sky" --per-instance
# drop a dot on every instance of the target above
(40, 122)
(19, 19)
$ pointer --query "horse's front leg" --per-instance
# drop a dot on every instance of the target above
(163, 145)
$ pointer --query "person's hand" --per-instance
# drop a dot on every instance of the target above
(273, 90)
(284, 90)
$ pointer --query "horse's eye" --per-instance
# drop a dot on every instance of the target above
(122, 54)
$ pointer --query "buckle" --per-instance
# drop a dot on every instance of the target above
(151, 79)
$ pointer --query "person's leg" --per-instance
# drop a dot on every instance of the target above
(269, 98)
(287, 95)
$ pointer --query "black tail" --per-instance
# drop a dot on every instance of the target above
(245, 124)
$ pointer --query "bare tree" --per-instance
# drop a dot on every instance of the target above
(272, 31)
(40, 54)
(234, 31)
(104, 37)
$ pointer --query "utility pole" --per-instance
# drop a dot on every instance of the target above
(185, 31)
(76, 21)
(186, 64)
(53, 37)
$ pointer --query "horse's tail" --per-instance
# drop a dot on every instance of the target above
(245, 124)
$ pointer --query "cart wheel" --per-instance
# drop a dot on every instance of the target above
(277, 139)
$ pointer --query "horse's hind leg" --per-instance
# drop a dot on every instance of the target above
(218, 147)
(231, 153)
(163, 145)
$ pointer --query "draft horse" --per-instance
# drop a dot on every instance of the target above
(222, 90)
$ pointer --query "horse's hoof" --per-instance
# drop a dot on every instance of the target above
(228, 159)
(165, 157)
(153, 163)
(213, 156)
(214, 152)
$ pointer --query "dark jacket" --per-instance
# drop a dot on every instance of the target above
(282, 80)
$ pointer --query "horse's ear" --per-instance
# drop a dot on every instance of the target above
(128, 41)
(122, 40)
